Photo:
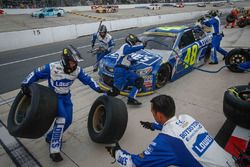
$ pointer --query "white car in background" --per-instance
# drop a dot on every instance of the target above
(154, 7)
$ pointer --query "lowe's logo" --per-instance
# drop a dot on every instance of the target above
(202, 143)
(62, 83)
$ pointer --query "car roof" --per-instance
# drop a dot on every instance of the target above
(168, 29)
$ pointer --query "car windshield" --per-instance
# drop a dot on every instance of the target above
(159, 42)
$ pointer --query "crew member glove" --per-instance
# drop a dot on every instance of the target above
(113, 92)
(25, 89)
(145, 44)
(113, 149)
(99, 90)
(147, 125)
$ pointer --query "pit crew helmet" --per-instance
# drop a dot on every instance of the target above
(103, 31)
(70, 54)
(132, 39)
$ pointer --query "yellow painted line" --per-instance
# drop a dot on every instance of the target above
(125, 93)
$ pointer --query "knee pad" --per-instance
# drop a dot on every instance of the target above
(139, 82)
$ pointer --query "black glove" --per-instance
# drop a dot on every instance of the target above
(113, 92)
(147, 125)
(113, 149)
(99, 90)
(25, 89)
(145, 44)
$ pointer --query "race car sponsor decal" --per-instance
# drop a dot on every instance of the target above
(144, 57)
(39, 69)
(148, 80)
(205, 41)
(27, 79)
(202, 143)
(150, 148)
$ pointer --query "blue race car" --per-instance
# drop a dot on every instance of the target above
(45, 12)
(171, 52)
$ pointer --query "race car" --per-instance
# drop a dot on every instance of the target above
(153, 7)
(171, 52)
(179, 5)
(47, 12)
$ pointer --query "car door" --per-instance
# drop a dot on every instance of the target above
(188, 51)
(50, 12)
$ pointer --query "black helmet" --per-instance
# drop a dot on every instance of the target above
(131, 39)
(213, 13)
(70, 54)
(103, 31)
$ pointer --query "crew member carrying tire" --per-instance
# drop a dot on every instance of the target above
(60, 76)
(232, 18)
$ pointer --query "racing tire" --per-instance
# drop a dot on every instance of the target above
(236, 56)
(107, 120)
(41, 16)
(237, 109)
(242, 23)
(59, 14)
(163, 75)
(230, 18)
(31, 115)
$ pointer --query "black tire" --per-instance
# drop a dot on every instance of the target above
(107, 120)
(31, 116)
(236, 56)
(236, 108)
(163, 75)
(230, 18)
(59, 14)
(41, 16)
(242, 23)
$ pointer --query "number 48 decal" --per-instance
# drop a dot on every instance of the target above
(191, 55)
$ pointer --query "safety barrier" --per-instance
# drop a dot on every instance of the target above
(27, 38)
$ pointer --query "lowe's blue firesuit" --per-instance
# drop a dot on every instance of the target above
(122, 75)
(183, 142)
(60, 83)
(107, 42)
(215, 23)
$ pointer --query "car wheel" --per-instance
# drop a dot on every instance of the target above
(163, 75)
(236, 105)
(236, 56)
(230, 18)
(59, 14)
(41, 15)
(242, 23)
(107, 120)
(31, 116)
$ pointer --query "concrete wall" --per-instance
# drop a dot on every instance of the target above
(27, 38)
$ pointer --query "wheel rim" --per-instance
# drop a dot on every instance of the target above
(237, 59)
(162, 77)
(21, 110)
(99, 118)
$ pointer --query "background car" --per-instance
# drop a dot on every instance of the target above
(218, 4)
(171, 52)
(48, 12)
(2, 12)
(201, 5)
(154, 7)
(179, 5)
(106, 9)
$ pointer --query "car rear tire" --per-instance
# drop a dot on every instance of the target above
(163, 75)
(59, 14)
(31, 116)
(236, 56)
(107, 120)
(235, 106)
(242, 23)
(41, 16)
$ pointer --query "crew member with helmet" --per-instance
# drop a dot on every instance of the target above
(60, 76)
(123, 76)
(234, 13)
(106, 42)
(215, 23)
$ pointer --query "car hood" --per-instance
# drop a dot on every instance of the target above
(165, 54)
(140, 59)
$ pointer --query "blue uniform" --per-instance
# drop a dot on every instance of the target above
(107, 42)
(214, 22)
(245, 66)
(60, 83)
(182, 142)
(122, 75)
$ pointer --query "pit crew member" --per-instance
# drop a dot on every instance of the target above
(183, 141)
(60, 76)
